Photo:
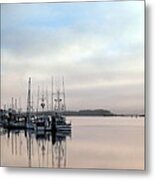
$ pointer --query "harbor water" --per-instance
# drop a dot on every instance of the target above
(94, 142)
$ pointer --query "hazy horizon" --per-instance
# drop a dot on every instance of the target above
(97, 46)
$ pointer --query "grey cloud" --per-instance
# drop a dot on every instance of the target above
(102, 63)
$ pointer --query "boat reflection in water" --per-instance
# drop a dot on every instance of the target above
(37, 149)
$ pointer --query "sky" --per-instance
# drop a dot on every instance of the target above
(97, 46)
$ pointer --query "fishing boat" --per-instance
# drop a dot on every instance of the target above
(42, 123)
(59, 119)
(39, 121)
(61, 124)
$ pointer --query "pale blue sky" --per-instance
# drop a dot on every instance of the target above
(98, 47)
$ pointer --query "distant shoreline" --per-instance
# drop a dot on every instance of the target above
(87, 112)
(115, 115)
(96, 112)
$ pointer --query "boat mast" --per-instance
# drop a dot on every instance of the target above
(15, 104)
(12, 103)
(20, 108)
(29, 99)
(42, 101)
(58, 100)
(64, 98)
(47, 98)
(32, 103)
(52, 93)
(38, 94)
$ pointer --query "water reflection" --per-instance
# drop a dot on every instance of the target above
(105, 142)
(42, 149)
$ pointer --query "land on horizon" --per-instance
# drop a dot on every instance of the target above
(92, 112)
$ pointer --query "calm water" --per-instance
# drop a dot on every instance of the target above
(95, 142)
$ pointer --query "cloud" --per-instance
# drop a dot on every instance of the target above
(99, 51)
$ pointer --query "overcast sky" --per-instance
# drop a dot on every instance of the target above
(98, 47)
